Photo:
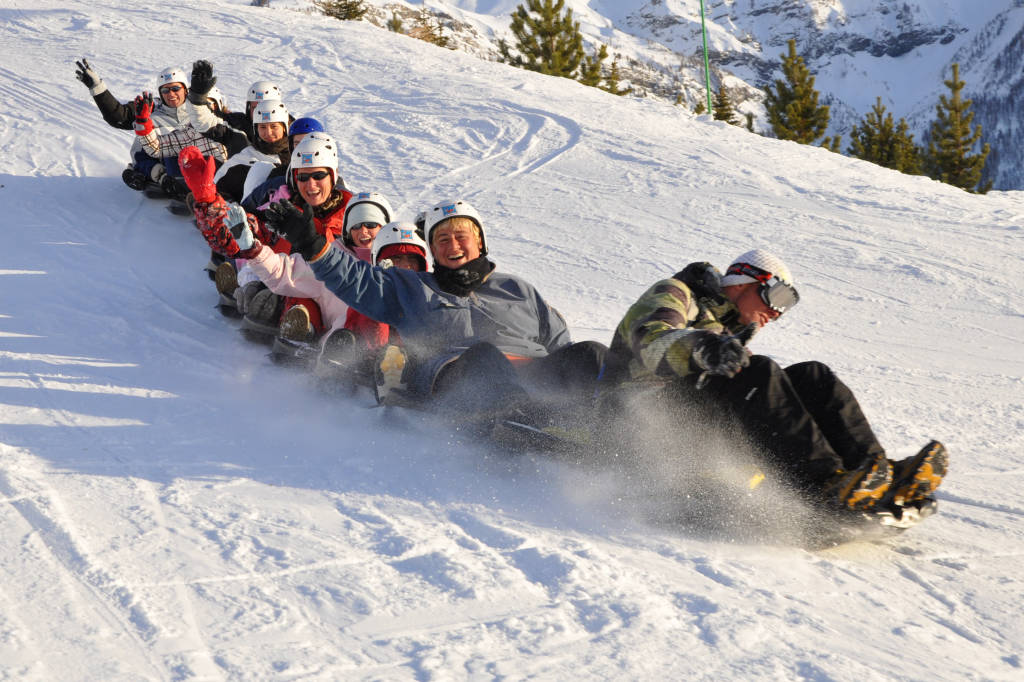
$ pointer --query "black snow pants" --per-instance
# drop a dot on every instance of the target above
(803, 418)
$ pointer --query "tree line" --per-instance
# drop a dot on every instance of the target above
(547, 39)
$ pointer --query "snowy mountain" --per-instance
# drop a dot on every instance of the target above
(173, 506)
(857, 49)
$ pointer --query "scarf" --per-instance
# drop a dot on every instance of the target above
(464, 280)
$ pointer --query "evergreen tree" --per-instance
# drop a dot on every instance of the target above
(878, 140)
(792, 104)
(723, 109)
(428, 28)
(949, 158)
(750, 122)
(346, 10)
(701, 107)
(395, 23)
(550, 42)
(613, 78)
(590, 71)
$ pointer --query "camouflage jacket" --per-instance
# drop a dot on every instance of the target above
(655, 338)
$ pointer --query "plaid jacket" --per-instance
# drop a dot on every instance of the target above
(169, 144)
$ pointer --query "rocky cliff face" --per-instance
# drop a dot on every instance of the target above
(899, 50)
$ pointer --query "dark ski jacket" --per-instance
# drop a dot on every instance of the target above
(437, 326)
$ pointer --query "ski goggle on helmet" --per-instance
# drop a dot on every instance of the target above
(777, 294)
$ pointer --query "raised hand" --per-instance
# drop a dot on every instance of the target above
(198, 173)
(143, 111)
(87, 74)
(237, 222)
(288, 220)
(202, 81)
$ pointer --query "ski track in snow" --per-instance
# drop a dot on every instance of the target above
(173, 506)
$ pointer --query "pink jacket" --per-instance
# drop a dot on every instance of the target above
(291, 276)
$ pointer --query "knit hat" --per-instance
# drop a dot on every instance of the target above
(762, 260)
(364, 213)
(396, 249)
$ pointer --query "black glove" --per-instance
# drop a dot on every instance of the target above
(85, 73)
(297, 227)
(202, 82)
(721, 354)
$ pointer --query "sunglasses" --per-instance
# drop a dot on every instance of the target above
(364, 226)
(169, 88)
(776, 294)
(315, 175)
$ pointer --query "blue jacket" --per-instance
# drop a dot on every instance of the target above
(436, 326)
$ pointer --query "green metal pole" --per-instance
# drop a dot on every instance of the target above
(707, 65)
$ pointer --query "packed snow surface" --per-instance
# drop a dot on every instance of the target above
(174, 506)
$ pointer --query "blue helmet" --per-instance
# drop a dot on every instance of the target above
(304, 125)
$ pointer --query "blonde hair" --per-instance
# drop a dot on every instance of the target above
(457, 222)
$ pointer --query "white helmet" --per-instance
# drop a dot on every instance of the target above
(261, 90)
(317, 150)
(217, 96)
(455, 208)
(270, 111)
(402, 235)
(763, 260)
(171, 74)
(367, 207)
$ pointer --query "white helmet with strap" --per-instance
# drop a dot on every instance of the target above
(270, 111)
(367, 207)
(261, 90)
(172, 74)
(317, 150)
(402, 235)
(454, 208)
(217, 96)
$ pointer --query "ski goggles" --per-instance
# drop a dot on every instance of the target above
(169, 88)
(778, 295)
(315, 175)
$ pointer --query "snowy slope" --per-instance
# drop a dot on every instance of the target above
(174, 506)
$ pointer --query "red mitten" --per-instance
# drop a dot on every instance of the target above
(198, 173)
(143, 111)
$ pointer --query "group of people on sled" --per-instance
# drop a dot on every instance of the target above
(420, 308)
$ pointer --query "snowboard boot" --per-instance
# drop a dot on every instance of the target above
(916, 478)
(211, 267)
(226, 279)
(134, 179)
(174, 187)
(862, 488)
(388, 375)
(295, 325)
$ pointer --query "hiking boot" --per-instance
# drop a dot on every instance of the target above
(862, 488)
(134, 179)
(388, 374)
(245, 294)
(264, 306)
(211, 266)
(917, 477)
(338, 346)
(295, 325)
(226, 278)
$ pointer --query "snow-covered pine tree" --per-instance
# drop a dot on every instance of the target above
(878, 140)
(949, 157)
(550, 42)
(792, 104)
(723, 109)
(346, 10)
(613, 79)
